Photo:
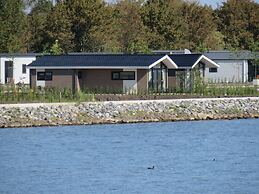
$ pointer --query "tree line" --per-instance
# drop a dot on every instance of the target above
(129, 26)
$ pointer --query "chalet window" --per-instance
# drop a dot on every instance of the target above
(123, 75)
(48, 76)
(115, 75)
(44, 76)
(213, 70)
(171, 72)
(79, 74)
(41, 76)
(8, 71)
(127, 75)
(24, 68)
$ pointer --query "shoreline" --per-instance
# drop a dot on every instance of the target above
(119, 112)
(129, 122)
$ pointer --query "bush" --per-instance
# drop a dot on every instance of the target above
(22, 93)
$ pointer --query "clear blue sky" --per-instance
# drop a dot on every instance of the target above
(213, 3)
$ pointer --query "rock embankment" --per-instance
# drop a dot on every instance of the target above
(127, 111)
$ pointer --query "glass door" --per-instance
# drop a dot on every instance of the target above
(8, 71)
(158, 78)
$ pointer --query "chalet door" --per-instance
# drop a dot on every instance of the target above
(158, 79)
(8, 71)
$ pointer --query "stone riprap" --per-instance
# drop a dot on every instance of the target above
(26, 115)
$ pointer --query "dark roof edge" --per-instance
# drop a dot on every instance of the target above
(118, 54)
(20, 54)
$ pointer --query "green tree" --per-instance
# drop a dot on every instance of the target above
(84, 15)
(38, 40)
(200, 31)
(58, 27)
(56, 49)
(105, 36)
(132, 34)
(178, 24)
(239, 23)
(164, 20)
(12, 25)
(121, 29)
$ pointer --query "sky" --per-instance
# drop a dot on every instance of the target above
(213, 3)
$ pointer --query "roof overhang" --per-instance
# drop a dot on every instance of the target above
(19, 55)
(208, 62)
(167, 61)
(87, 67)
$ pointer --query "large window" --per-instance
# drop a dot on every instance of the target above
(171, 72)
(8, 71)
(48, 76)
(41, 76)
(158, 78)
(44, 76)
(253, 70)
(123, 75)
(213, 70)
(79, 74)
(24, 68)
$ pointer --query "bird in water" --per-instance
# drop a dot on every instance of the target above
(151, 168)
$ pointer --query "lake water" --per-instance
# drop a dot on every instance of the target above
(188, 157)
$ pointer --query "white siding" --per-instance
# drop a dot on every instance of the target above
(18, 61)
(229, 71)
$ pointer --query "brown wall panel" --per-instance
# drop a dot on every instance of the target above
(142, 79)
(99, 78)
(96, 78)
(62, 78)
(171, 82)
(33, 78)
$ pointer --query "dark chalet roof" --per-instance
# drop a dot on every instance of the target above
(111, 60)
(10, 55)
(231, 55)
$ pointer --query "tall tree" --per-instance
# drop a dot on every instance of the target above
(84, 14)
(37, 24)
(12, 25)
(163, 18)
(59, 26)
(200, 31)
(178, 24)
(122, 28)
(132, 34)
(105, 35)
(239, 23)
